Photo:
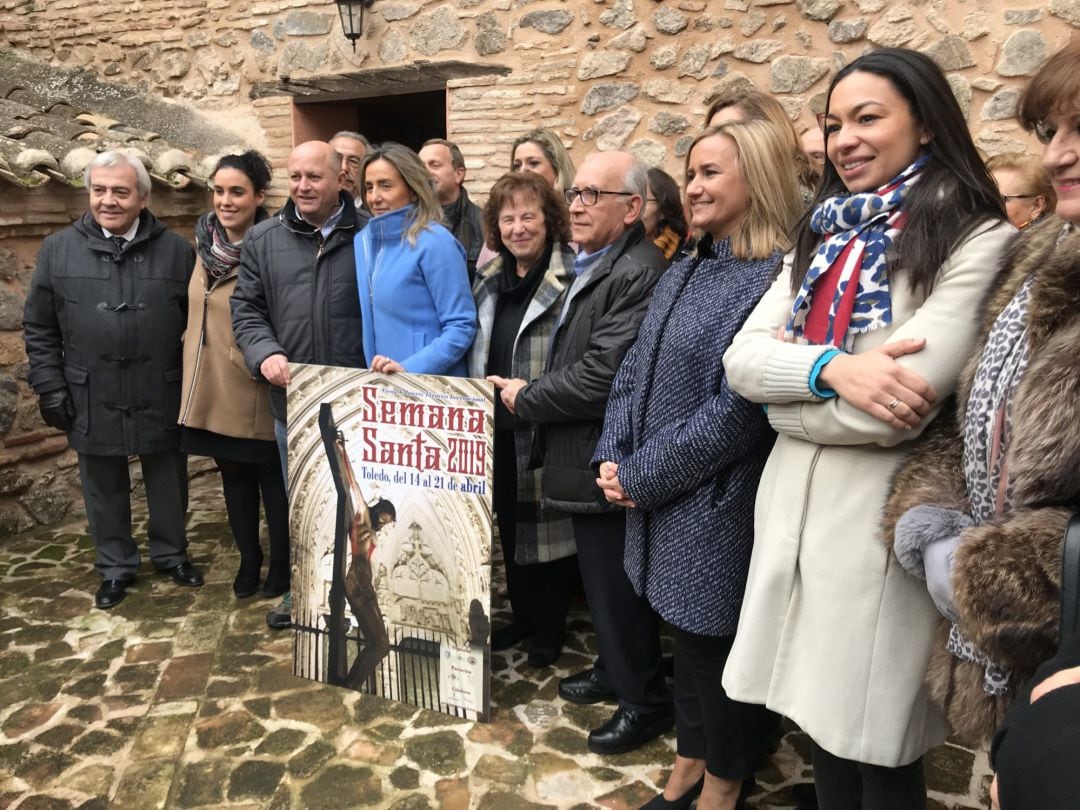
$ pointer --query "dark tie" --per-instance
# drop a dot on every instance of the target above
(119, 241)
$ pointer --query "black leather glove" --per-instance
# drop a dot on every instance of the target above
(57, 410)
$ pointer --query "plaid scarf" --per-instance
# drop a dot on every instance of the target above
(859, 231)
(219, 255)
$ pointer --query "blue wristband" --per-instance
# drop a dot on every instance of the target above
(823, 393)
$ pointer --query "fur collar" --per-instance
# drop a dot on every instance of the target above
(1007, 572)
(1044, 457)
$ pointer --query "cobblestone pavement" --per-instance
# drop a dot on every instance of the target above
(183, 698)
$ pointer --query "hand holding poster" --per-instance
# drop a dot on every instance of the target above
(390, 518)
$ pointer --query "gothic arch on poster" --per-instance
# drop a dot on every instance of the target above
(426, 564)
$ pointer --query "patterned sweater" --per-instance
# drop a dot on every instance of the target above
(690, 450)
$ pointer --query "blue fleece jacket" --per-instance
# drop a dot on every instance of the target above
(415, 299)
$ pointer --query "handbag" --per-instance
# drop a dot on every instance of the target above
(1069, 634)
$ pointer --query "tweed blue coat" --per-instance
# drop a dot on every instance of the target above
(690, 450)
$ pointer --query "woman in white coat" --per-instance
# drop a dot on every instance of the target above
(864, 331)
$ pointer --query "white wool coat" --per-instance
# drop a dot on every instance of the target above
(833, 632)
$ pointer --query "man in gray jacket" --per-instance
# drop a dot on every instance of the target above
(296, 298)
(615, 273)
(104, 317)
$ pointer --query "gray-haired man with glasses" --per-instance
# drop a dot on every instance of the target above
(601, 311)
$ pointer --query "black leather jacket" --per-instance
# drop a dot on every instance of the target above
(569, 399)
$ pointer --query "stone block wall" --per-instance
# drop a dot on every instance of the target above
(634, 74)
(607, 74)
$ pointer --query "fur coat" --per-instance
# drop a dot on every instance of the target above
(1007, 572)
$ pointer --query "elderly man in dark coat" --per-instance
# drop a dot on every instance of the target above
(104, 319)
(614, 277)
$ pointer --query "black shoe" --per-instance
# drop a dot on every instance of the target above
(544, 653)
(681, 803)
(585, 687)
(805, 794)
(510, 635)
(246, 582)
(277, 581)
(629, 729)
(279, 617)
(184, 574)
(111, 592)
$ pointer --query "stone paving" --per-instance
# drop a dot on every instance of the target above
(183, 698)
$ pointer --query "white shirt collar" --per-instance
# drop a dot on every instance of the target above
(134, 229)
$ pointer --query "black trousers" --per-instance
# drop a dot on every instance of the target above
(540, 592)
(627, 628)
(730, 736)
(106, 486)
(242, 484)
(843, 784)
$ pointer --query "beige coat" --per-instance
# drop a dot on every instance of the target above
(219, 393)
(833, 632)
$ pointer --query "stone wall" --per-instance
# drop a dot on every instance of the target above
(634, 74)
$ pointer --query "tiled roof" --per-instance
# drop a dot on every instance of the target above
(54, 121)
(43, 140)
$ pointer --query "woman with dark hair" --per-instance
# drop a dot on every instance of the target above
(225, 413)
(981, 509)
(418, 314)
(683, 452)
(663, 216)
(519, 296)
(850, 350)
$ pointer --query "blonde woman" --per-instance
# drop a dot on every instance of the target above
(753, 105)
(1025, 187)
(541, 151)
(417, 308)
(684, 453)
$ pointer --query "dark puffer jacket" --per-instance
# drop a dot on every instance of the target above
(568, 401)
(296, 295)
(107, 324)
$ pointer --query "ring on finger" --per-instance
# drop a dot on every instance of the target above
(892, 405)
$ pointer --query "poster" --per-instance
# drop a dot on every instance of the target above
(391, 525)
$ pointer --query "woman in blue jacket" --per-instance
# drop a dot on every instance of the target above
(418, 311)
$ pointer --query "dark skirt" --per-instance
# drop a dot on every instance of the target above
(198, 442)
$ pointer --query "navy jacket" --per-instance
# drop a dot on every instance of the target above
(296, 294)
(690, 450)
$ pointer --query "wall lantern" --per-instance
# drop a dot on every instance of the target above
(352, 18)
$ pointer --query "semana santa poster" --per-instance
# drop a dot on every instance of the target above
(391, 526)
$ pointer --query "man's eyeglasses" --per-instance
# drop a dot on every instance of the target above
(1006, 197)
(589, 196)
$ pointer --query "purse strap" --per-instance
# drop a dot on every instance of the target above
(1069, 639)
